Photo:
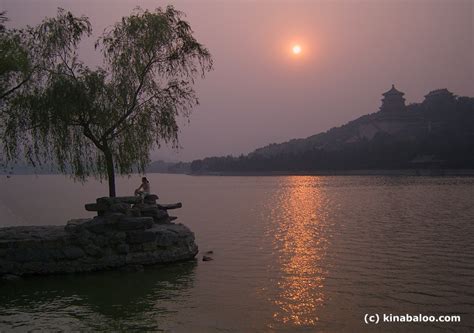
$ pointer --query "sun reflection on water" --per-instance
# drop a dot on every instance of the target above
(300, 241)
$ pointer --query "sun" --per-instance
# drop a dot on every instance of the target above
(296, 49)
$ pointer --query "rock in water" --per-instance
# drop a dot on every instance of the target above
(114, 239)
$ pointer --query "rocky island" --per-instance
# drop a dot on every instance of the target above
(127, 232)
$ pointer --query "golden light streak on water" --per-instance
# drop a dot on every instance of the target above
(300, 244)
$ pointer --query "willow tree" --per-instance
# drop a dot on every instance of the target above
(107, 120)
(13, 60)
(28, 59)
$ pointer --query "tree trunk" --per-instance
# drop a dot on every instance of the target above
(110, 171)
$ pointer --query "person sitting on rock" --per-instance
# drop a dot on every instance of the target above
(144, 188)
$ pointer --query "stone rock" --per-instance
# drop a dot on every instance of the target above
(92, 207)
(109, 201)
(149, 212)
(133, 223)
(134, 212)
(151, 246)
(167, 238)
(73, 252)
(123, 248)
(97, 225)
(154, 212)
(120, 207)
(94, 251)
(120, 235)
(112, 217)
(117, 237)
(134, 237)
(134, 248)
(104, 203)
(171, 206)
(150, 199)
(76, 224)
(130, 200)
(24, 255)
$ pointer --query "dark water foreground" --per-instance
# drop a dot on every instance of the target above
(291, 254)
(97, 301)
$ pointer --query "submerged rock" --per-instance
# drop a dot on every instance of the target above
(116, 238)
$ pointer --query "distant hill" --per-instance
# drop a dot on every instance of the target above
(437, 133)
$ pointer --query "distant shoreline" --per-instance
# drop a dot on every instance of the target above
(365, 172)
(378, 172)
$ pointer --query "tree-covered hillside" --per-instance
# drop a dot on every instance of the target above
(431, 134)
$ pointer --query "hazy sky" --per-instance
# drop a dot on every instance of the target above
(259, 93)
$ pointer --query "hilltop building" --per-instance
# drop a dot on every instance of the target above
(439, 98)
(393, 101)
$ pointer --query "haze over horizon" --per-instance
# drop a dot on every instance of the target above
(260, 92)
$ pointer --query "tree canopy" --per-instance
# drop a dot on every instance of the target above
(96, 122)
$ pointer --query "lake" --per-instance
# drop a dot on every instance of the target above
(291, 254)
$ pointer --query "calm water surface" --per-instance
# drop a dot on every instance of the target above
(291, 254)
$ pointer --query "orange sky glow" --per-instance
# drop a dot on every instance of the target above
(263, 92)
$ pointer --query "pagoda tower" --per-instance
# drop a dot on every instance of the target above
(393, 101)
(439, 98)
